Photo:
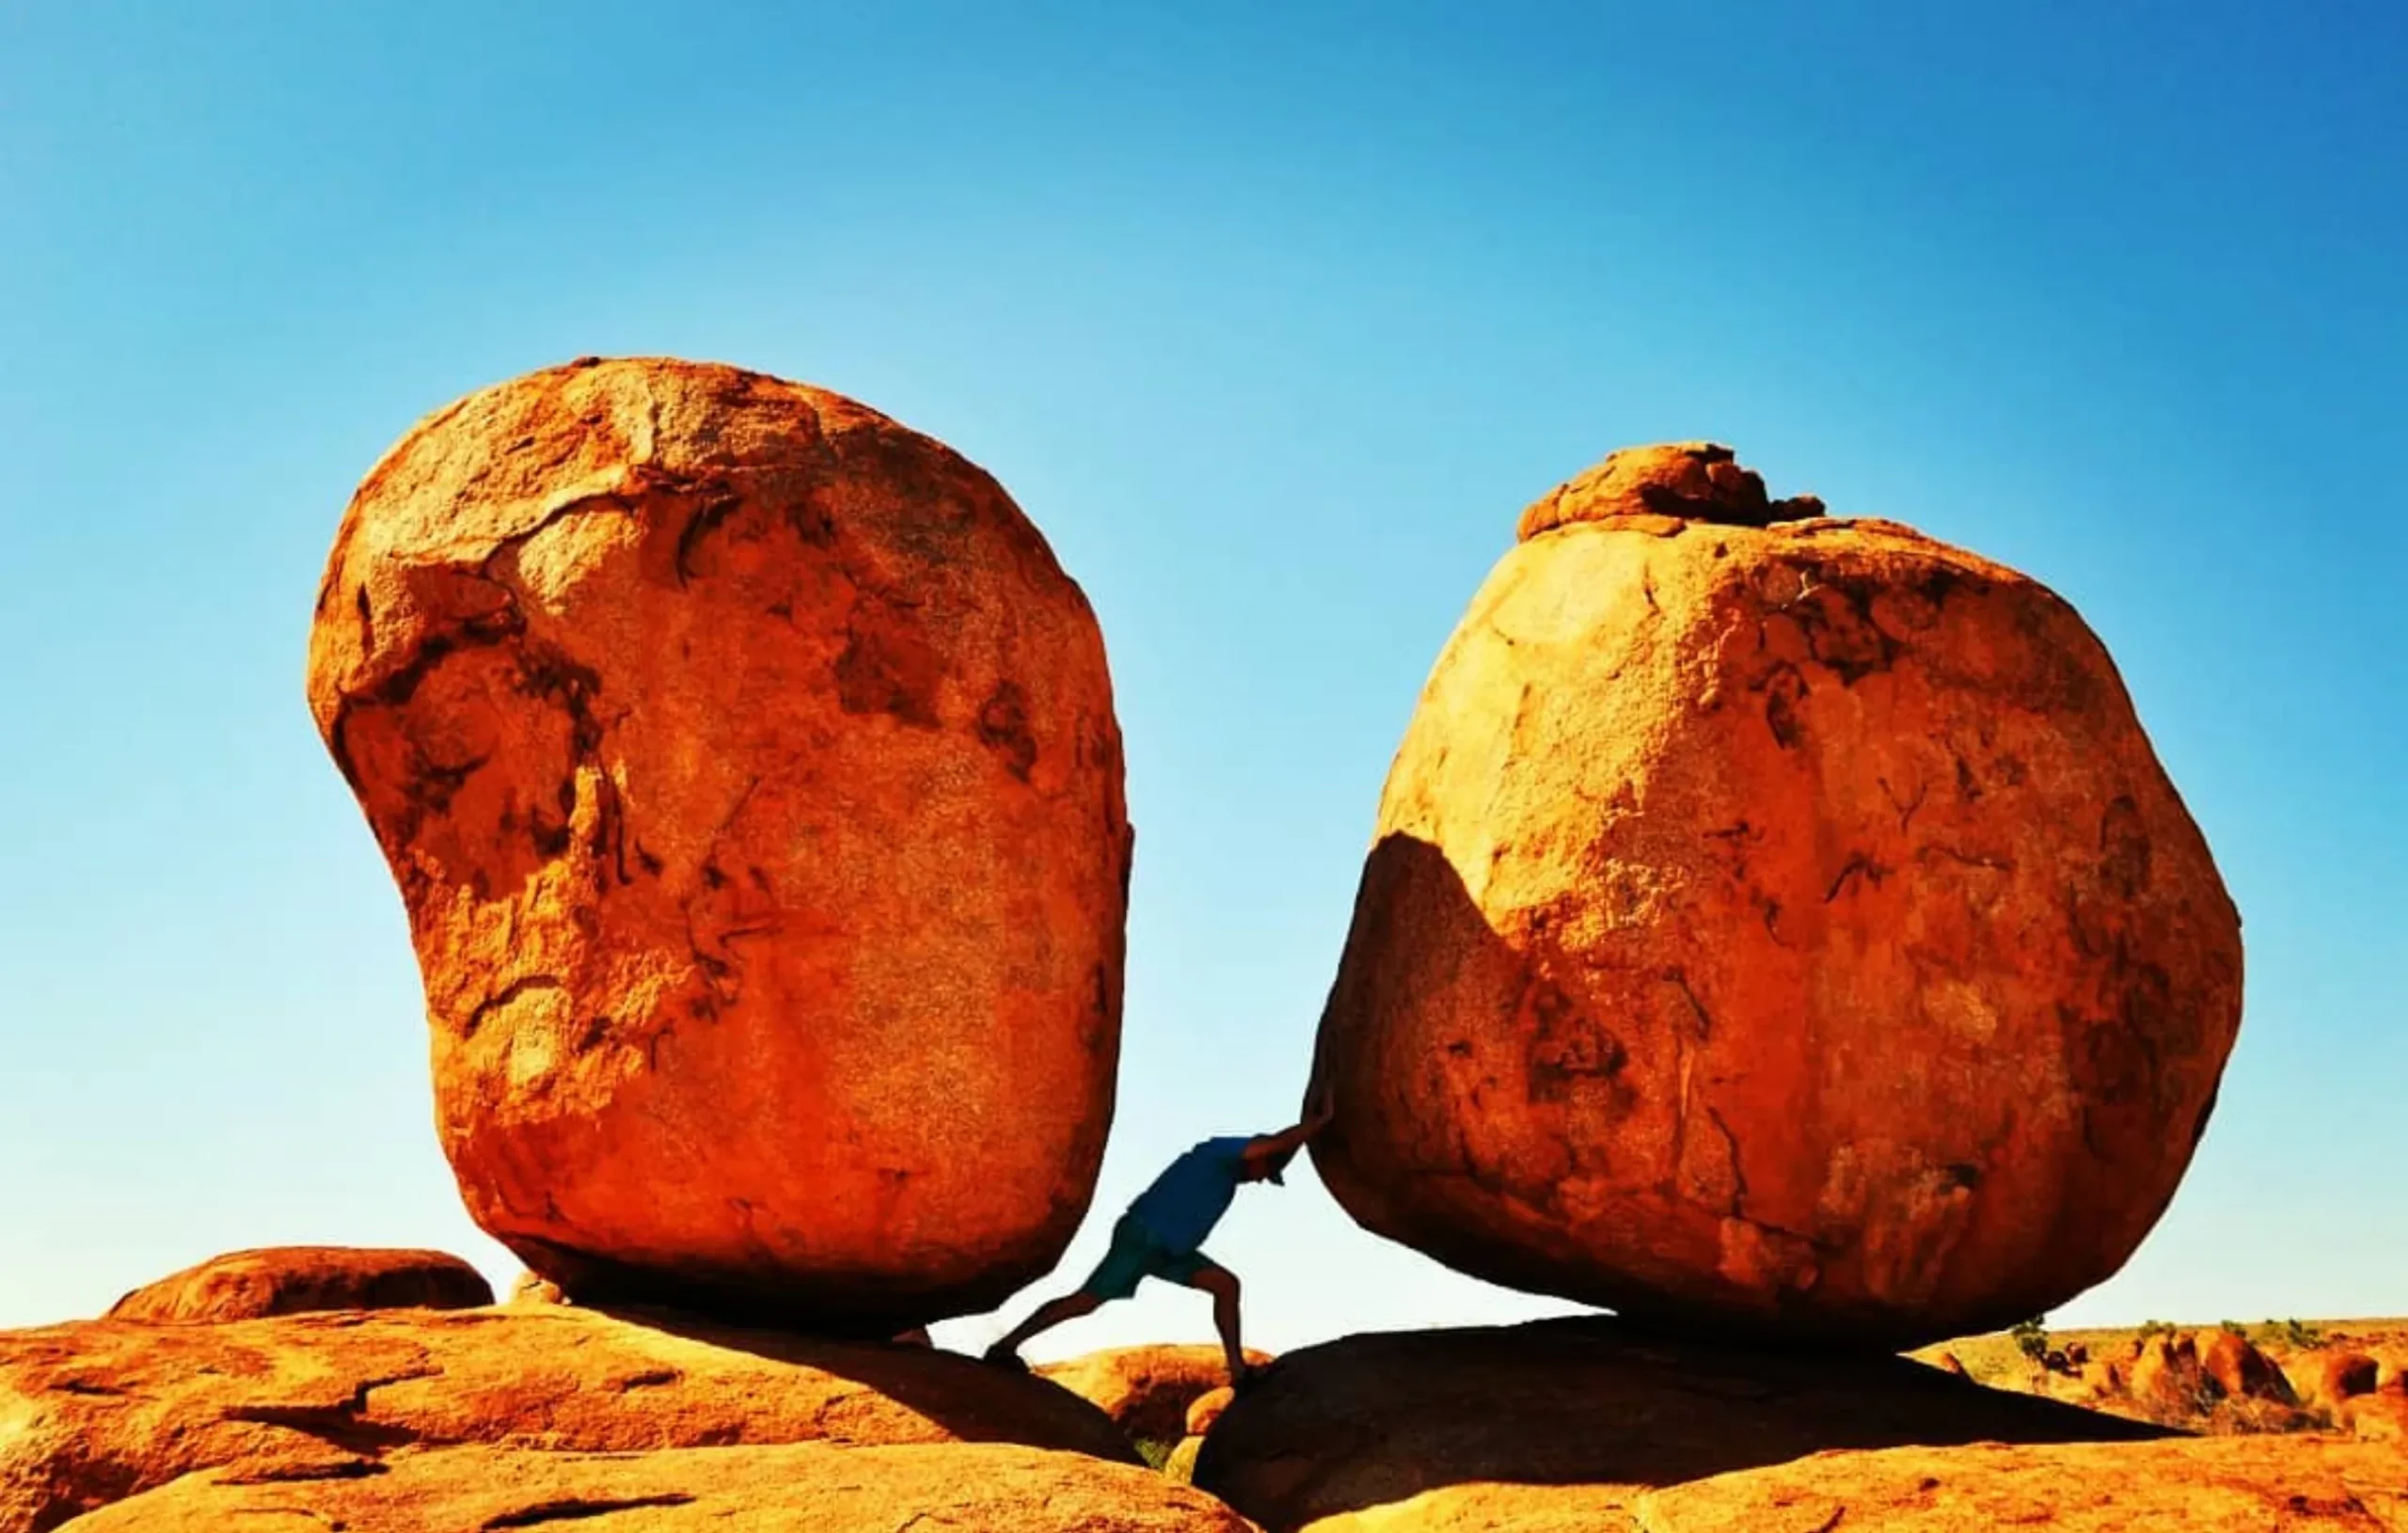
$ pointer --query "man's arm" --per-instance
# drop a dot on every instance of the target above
(1287, 1141)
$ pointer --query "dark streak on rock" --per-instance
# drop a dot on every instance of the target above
(574, 1508)
(503, 997)
(705, 520)
(1002, 728)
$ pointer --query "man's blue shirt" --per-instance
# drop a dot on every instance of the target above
(1192, 1193)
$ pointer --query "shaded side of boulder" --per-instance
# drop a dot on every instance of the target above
(97, 1411)
(2241, 1371)
(2166, 1375)
(820, 1487)
(1375, 1419)
(296, 1279)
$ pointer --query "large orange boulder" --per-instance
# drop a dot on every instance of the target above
(293, 1279)
(707, 1490)
(1775, 921)
(750, 772)
(97, 1411)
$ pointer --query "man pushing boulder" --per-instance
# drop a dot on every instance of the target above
(1162, 1235)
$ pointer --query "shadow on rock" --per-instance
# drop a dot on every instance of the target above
(967, 1401)
(1374, 1419)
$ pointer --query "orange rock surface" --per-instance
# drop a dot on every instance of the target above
(722, 1490)
(1205, 1408)
(1146, 1389)
(291, 1279)
(1363, 1425)
(2201, 1485)
(2329, 1377)
(750, 772)
(96, 1411)
(1783, 926)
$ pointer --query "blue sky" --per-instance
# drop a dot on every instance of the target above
(1273, 317)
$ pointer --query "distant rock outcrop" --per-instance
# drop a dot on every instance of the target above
(295, 1279)
(750, 772)
(1777, 924)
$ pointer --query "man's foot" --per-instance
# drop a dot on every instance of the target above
(1005, 1358)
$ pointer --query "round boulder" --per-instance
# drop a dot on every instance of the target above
(750, 772)
(295, 1279)
(1778, 923)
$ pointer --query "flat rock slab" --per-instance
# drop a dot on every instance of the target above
(2201, 1485)
(811, 1486)
(97, 1411)
(299, 1279)
(1373, 1420)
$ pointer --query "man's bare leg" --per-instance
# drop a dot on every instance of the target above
(1222, 1285)
(1049, 1315)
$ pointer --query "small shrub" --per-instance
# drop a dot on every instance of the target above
(2031, 1337)
(2153, 1328)
(2233, 1328)
(1156, 1454)
(2296, 1333)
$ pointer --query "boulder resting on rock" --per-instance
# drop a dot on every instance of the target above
(1775, 922)
(750, 772)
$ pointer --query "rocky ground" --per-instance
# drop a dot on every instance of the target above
(2347, 1377)
(252, 1403)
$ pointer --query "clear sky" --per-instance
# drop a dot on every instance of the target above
(1273, 317)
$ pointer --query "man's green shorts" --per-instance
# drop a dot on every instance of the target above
(1136, 1254)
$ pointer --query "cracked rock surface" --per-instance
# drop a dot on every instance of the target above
(96, 1411)
(750, 773)
(1775, 921)
(724, 1490)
